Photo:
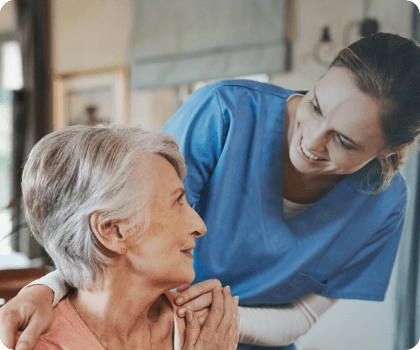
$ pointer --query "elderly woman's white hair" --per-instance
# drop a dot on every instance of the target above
(79, 170)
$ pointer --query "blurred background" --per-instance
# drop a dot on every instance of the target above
(136, 61)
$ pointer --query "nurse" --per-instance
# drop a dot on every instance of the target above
(300, 193)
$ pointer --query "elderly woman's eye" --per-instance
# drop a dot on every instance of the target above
(180, 198)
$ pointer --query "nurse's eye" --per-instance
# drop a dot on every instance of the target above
(343, 144)
(314, 107)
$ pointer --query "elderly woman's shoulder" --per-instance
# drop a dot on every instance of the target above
(44, 344)
(68, 331)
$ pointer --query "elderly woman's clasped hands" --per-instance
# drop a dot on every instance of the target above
(220, 329)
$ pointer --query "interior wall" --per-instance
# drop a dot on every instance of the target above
(89, 34)
(312, 15)
(8, 18)
(145, 104)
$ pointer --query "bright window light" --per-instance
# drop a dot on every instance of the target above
(11, 66)
(262, 78)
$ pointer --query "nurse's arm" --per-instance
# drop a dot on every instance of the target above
(282, 325)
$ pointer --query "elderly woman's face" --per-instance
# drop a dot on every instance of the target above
(336, 128)
(164, 251)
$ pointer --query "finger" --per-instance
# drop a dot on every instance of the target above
(8, 329)
(192, 331)
(183, 288)
(216, 311)
(200, 303)
(235, 329)
(237, 314)
(29, 337)
(202, 319)
(202, 313)
(230, 311)
(197, 290)
(232, 336)
(202, 316)
(236, 338)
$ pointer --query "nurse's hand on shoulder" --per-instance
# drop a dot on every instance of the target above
(197, 298)
(25, 317)
(220, 330)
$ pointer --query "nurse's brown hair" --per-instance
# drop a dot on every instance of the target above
(387, 68)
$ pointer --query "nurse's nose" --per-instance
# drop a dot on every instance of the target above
(316, 141)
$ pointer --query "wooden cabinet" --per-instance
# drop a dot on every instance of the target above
(12, 281)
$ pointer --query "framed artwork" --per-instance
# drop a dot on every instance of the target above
(91, 97)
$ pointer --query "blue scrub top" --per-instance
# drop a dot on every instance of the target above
(343, 246)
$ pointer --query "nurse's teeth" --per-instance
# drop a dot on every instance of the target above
(307, 153)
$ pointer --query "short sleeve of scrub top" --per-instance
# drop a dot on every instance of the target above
(343, 246)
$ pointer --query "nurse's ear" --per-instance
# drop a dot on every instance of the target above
(389, 152)
(111, 234)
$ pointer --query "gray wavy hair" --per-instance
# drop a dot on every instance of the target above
(79, 170)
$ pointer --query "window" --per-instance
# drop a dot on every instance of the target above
(11, 79)
(5, 175)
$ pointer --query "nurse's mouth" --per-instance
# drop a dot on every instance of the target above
(308, 154)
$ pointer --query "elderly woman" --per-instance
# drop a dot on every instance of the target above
(108, 205)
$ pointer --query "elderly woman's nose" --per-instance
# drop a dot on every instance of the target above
(198, 227)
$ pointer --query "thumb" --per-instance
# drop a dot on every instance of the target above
(183, 288)
(192, 331)
(29, 337)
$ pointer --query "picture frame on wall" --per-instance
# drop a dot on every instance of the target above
(91, 97)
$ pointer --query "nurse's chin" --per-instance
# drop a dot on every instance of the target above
(322, 169)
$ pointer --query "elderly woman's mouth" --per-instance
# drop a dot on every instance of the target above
(188, 252)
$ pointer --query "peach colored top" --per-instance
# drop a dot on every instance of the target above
(70, 332)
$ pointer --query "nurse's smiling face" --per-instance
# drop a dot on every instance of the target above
(336, 127)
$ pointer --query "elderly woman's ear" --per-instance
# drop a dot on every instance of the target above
(111, 234)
